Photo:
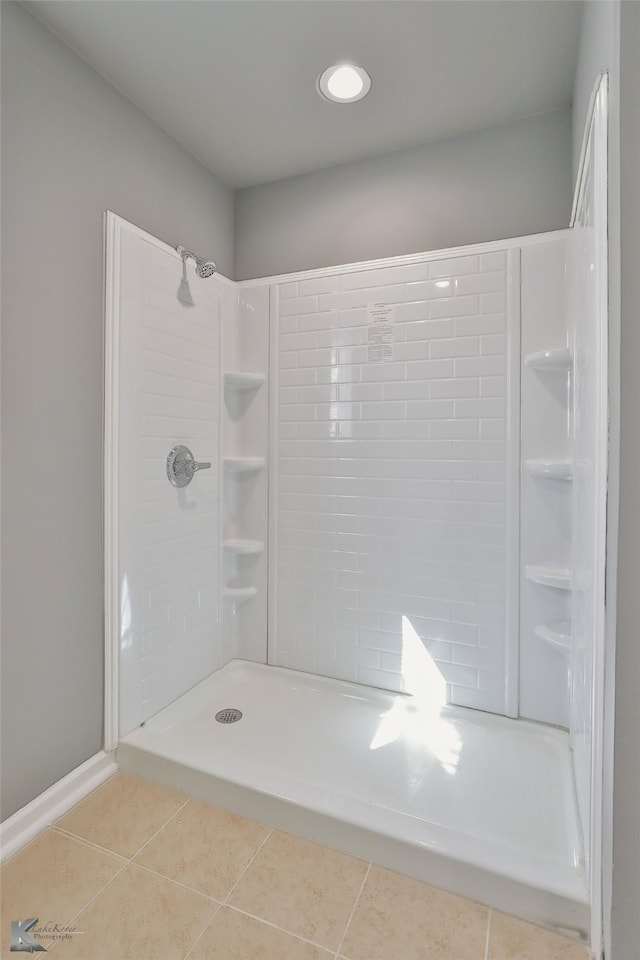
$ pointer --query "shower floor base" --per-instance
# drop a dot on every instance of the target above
(471, 802)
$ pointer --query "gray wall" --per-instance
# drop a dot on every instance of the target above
(71, 148)
(505, 182)
(596, 50)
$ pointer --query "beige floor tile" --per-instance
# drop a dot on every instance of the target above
(140, 916)
(512, 939)
(302, 887)
(401, 919)
(122, 814)
(233, 936)
(52, 879)
(205, 848)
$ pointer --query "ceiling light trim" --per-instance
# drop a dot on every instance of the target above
(343, 82)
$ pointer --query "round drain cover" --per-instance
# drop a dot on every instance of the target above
(228, 715)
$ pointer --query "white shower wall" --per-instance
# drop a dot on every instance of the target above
(381, 545)
(545, 500)
(169, 542)
(394, 483)
(245, 514)
(588, 337)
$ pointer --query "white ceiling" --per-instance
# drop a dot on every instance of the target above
(233, 81)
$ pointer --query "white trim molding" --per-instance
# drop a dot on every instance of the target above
(512, 488)
(113, 226)
(601, 639)
(274, 389)
(31, 820)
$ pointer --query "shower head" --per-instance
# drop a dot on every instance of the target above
(204, 268)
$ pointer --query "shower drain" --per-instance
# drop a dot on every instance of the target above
(228, 715)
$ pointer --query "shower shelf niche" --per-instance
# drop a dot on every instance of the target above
(244, 464)
(239, 594)
(550, 469)
(241, 547)
(556, 635)
(239, 380)
(558, 360)
(561, 578)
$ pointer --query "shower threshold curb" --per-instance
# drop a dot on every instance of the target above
(549, 909)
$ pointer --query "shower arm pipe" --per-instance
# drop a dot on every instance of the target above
(184, 253)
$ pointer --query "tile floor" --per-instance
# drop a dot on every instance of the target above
(139, 872)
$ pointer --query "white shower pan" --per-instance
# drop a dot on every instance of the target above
(472, 802)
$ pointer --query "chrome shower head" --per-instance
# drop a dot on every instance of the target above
(204, 268)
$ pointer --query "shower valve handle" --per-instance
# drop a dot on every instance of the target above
(181, 466)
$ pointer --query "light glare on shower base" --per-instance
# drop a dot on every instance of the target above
(382, 776)
(344, 83)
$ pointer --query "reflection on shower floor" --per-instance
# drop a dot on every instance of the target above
(469, 801)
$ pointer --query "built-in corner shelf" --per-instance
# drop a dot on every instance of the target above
(238, 380)
(551, 469)
(243, 464)
(236, 467)
(559, 360)
(556, 635)
(245, 548)
(559, 577)
(239, 594)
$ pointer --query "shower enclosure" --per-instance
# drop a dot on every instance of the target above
(393, 568)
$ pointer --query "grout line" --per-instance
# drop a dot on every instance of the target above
(91, 901)
(486, 942)
(226, 899)
(162, 353)
(149, 327)
(130, 861)
(269, 923)
(154, 835)
(98, 846)
(126, 861)
(178, 883)
(357, 901)
(202, 933)
(274, 926)
(89, 843)
(92, 846)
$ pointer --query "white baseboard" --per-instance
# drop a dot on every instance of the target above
(31, 820)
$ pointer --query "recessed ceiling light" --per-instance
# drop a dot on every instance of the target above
(344, 83)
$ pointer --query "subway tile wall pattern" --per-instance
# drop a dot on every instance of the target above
(391, 466)
(168, 537)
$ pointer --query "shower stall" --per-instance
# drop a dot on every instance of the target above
(389, 580)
